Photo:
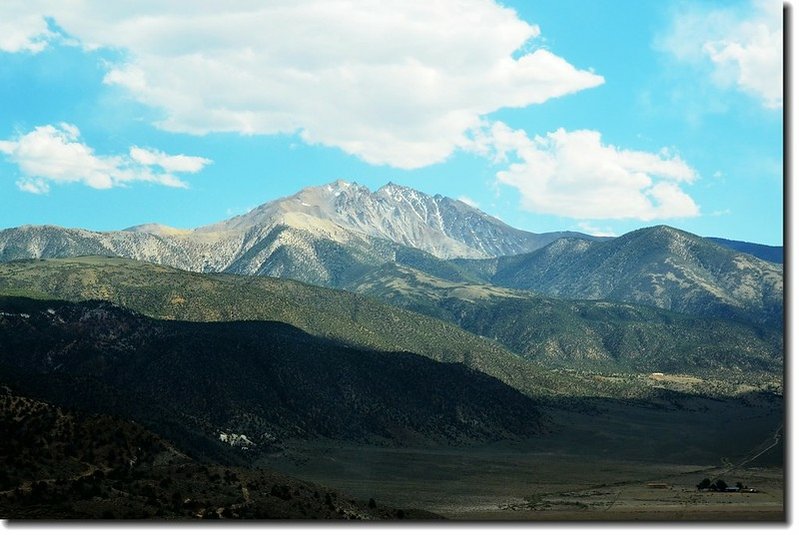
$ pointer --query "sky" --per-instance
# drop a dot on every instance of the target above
(595, 116)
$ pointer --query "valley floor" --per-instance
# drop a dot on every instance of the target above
(506, 484)
(609, 461)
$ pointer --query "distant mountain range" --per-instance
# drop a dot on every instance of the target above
(435, 224)
(657, 266)
(337, 234)
(323, 235)
(369, 225)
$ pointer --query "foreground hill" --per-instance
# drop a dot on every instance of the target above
(658, 266)
(61, 464)
(585, 335)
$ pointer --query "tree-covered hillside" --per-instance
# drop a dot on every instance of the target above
(586, 335)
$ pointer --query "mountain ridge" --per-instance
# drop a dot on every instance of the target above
(659, 266)
(589, 335)
(350, 319)
(341, 207)
(334, 234)
(439, 225)
(342, 226)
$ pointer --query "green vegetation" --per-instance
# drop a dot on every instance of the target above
(564, 344)
(167, 293)
(132, 390)
(596, 336)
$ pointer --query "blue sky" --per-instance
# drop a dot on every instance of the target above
(600, 117)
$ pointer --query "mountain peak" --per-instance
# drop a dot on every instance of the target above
(341, 214)
(336, 188)
(435, 224)
(343, 184)
(664, 230)
(674, 238)
(391, 188)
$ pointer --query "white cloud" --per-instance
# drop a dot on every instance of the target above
(173, 164)
(589, 228)
(744, 48)
(22, 30)
(574, 174)
(54, 154)
(397, 83)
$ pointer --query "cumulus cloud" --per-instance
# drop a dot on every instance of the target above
(593, 230)
(744, 48)
(54, 154)
(174, 164)
(574, 174)
(22, 30)
(396, 83)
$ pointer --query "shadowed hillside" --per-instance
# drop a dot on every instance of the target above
(268, 381)
(167, 293)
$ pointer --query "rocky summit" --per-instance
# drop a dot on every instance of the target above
(313, 235)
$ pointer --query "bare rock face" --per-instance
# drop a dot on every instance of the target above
(441, 226)
(307, 236)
